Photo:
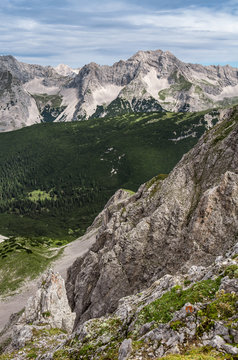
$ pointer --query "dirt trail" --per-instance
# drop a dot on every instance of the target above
(71, 252)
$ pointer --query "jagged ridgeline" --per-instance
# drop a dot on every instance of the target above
(148, 81)
(56, 177)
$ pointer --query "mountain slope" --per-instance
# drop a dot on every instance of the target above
(55, 178)
(148, 81)
(175, 241)
(166, 227)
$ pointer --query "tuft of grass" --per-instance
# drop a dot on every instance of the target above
(199, 353)
(129, 191)
(176, 325)
(156, 179)
(224, 130)
(162, 309)
(231, 271)
(46, 314)
(222, 308)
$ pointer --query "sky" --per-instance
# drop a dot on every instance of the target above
(76, 32)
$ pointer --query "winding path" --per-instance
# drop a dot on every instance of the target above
(73, 250)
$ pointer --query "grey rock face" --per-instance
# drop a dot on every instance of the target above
(125, 349)
(148, 81)
(50, 304)
(191, 325)
(48, 309)
(21, 334)
(187, 327)
(186, 220)
(17, 105)
(218, 343)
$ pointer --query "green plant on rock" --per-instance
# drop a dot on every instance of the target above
(199, 353)
(222, 308)
(205, 326)
(46, 314)
(129, 191)
(162, 309)
(32, 354)
(176, 325)
(187, 282)
(231, 271)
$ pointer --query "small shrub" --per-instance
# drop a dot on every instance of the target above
(176, 325)
(187, 282)
(231, 271)
(46, 314)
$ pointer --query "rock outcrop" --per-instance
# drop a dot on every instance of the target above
(168, 226)
(47, 309)
(194, 313)
(50, 304)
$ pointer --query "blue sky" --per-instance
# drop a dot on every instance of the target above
(76, 32)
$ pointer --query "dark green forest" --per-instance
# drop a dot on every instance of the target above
(56, 177)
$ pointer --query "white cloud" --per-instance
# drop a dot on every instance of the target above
(116, 30)
(26, 24)
(204, 20)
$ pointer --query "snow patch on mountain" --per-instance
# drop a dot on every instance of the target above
(184, 137)
(155, 84)
(3, 238)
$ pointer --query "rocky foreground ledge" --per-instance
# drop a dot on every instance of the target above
(194, 313)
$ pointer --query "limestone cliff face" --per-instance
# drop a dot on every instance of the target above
(148, 81)
(47, 309)
(169, 225)
(19, 83)
(49, 304)
(153, 81)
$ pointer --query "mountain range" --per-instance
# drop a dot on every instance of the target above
(148, 81)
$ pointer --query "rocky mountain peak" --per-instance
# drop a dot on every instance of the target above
(65, 70)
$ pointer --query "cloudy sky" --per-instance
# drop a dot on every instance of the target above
(76, 32)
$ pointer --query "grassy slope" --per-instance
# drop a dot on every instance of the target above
(25, 259)
(69, 167)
